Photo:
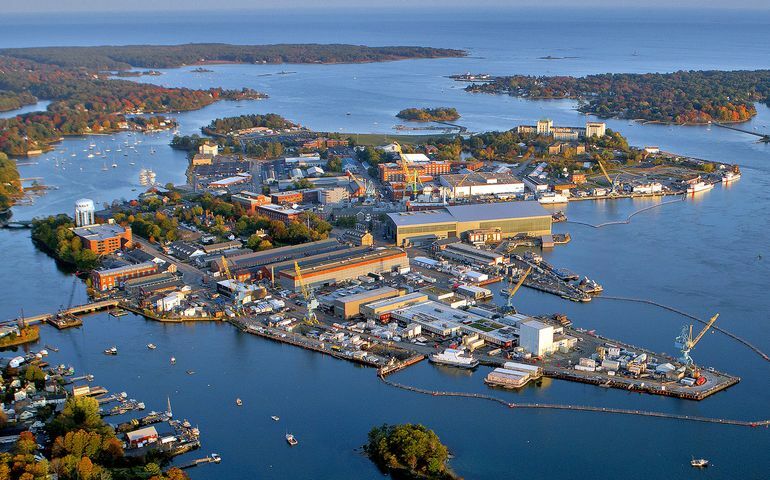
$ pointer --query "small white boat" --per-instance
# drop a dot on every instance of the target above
(275, 417)
(114, 165)
(111, 351)
(239, 402)
(215, 458)
(151, 346)
(173, 360)
(699, 463)
(291, 440)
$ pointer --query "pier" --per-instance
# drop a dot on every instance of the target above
(581, 408)
(762, 136)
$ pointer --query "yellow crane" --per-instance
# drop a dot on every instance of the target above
(685, 341)
(226, 268)
(606, 175)
(312, 303)
(513, 289)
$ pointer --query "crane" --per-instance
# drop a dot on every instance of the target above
(312, 303)
(685, 342)
(513, 289)
(226, 268)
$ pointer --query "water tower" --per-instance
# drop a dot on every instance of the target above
(84, 212)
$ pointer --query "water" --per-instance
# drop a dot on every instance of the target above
(700, 255)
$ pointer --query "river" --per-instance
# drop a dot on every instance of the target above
(704, 255)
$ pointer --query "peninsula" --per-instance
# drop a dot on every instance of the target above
(684, 97)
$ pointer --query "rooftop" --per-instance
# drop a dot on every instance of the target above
(471, 213)
(99, 232)
(479, 178)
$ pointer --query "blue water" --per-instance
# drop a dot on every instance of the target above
(700, 255)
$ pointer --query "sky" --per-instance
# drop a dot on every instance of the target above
(41, 6)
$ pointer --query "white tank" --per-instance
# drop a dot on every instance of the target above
(84, 212)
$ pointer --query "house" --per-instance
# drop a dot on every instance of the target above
(184, 250)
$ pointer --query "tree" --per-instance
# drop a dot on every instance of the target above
(334, 164)
(301, 184)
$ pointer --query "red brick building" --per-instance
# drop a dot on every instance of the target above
(112, 277)
(105, 238)
(279, 212)
(250, 200)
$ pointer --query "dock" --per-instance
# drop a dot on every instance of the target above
(213, 458)
(398, 366)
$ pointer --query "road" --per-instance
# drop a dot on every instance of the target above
(191, 275)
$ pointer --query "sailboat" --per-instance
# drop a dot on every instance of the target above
(104, 167)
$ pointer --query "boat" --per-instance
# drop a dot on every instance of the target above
(151, 346)
(699, 463)
(275, 417)
(215, 458)
(699, 186)
(114, 165)
(173, 360)
(730, 177)
(111, 351)
(454, 357)
(90, 155)
(291, 440)
(239, 402)
(190, 372)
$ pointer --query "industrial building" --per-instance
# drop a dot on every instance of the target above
(228, 182)
(481, 183)
(468, 254)
(104, 238)
(350, 306)
(512, 218)
(344, 265)
(382, 309)
(394, 172)
(536, 337)
(112, 277)
(260, 261)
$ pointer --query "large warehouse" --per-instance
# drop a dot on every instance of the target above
(345, 264)
(512, 218)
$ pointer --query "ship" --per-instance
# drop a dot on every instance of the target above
(699, 463)
(699, 186)
(454, 357)
(730, 177)
(291, 440)
(550, 197)
(146, 177)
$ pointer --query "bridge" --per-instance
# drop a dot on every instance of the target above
(16, 224)
(762, 136)
(74, 311)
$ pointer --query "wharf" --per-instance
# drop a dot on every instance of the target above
(301, 341)
(213, 458)
(547, 281)
(398, 366)
(64, 321)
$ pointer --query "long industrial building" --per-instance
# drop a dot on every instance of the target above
(512, 218)
(344, 265)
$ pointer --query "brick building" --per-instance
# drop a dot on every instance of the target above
(105, 238)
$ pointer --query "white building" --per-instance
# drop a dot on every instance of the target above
(597, 129)
(478, 184)
(536, 337)
(84, 212)
(648, 188)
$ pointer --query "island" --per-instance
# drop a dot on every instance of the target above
(438, 114)
(684, 97)
(169, 56)
(413, 451)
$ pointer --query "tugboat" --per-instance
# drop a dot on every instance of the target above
(111, 351)
(291, 440)
(699, 463)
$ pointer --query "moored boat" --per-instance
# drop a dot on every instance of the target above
(454, 357)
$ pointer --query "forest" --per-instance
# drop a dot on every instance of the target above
(684, 97)
(411, 449)
(228, 125)
(438, 114)
(169, 56)
(10, 185)
(84, 101)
